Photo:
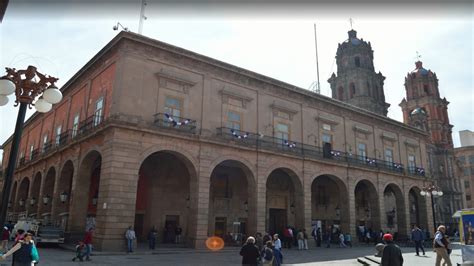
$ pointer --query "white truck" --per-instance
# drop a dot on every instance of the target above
(43, 233)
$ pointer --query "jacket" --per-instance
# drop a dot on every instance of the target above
(391, 255)
(250, 254)
(417, 235)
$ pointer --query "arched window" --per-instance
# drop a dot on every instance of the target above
(426, 89)
(352, 89)
(357, 61)
(340, 93)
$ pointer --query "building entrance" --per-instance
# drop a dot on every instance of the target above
(277, 221)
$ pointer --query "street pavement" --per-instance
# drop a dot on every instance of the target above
(53, 256)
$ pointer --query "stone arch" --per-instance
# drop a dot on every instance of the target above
(34, 198)
(85, 192)
(284, 200)
(247, 165)
(395, 212)
(367, 205)
(46, 195)
(232, 197)
(166, 176)
(64, 186)
(417, 208)
(23, 191)
(170, 148)
(330, 202)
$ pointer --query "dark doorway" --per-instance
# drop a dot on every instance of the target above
(139, 226)
(171, 223)
(220, 226)
(277, 221)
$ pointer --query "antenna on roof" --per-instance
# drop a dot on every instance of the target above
(315, 86)
(142, 17)
(351, 21)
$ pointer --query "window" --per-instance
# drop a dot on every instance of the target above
(471, 159)
(45, 141)
(465, 171)
(426, 89)
(357, 61)
(352, 90)
(98, 111)
(327, 138)
(32, 148)
(468, 197)
(58, 134)
(411, 162)
(282, 131)
(75, 125)
(234, 120)
(362, 151)
(466, 184)
(327, 127)
(173, 106)
(389, 156)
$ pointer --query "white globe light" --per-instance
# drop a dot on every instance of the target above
(440, 193)
(423, 193)
(434, 192)
(43, 106)
(7, 87)
(52, 95)
(3, 100)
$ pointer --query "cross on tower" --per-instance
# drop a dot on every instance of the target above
(418, 56)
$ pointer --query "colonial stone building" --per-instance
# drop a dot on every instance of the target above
(149, 134)
(465, 166)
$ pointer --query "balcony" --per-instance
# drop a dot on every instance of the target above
(87, 126)
(34, 154)
(416, 171)
(257, 141)
(63, 138)
(47, 147)
(177, 123)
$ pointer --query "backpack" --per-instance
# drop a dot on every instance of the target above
(268, 254)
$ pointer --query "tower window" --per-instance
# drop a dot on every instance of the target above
(340, 93)
(352, 89)
(357, 61)
(426, 89)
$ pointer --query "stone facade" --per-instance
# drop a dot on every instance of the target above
(465, 166)
(168, 137)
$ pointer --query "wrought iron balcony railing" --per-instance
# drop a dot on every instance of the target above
(34, 154)
(87, 125)
(415, 170)
(183, 124)
(47, 147)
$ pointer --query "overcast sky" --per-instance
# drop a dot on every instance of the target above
(271, 39)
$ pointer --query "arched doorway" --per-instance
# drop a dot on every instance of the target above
(166, 197)
(329, 204)
(63, 195)
(284, 201)
(34, 197)
(395, 210)
(46, 196)
(23, 194)
(232, 201)
(367, 207)
(86, 193)
(417, 205)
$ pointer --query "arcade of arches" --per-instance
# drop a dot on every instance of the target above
(168, 193)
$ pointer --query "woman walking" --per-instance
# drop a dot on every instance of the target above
(23, 251)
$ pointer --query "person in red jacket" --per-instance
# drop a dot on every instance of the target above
(88, 243)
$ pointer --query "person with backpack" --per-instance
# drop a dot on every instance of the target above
(440, 245)
(25, 252)
(267, 254)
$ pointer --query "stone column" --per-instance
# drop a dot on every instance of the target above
(261, 206)
(117, 194)
(307, 207)
(382, 211)
(201, 204)
(352, 209)
(407, 212)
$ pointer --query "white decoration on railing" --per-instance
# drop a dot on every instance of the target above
(336, 153)
(397, 165)
(290, 145)
(177, 123)
(244, 136)
(370, 161)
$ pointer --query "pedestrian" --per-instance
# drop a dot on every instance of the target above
(259, 241)
(287, 237)
(300, 238)
(5, 237)
(341, 240)
(250, 252)
(391, 255)
(130, 236)
(440, 245)
(327, 238)
(277, 257)
(305, 239)
(88, 243)
(368, 236)
(23, 252)
(20, 233)
(417, 237)
(268, 254)
(318, 237)
(79, 251)
(177, 233)
(276, 242)
(152, 235)
(267, 237)
(348, 239)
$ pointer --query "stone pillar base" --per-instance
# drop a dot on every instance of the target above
(118, 245)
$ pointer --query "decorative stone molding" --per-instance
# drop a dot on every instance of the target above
(411, 143)
(327, 119)
(226, 93)
(280, 108)
(362, 130)
(174, 83)
(388, 137)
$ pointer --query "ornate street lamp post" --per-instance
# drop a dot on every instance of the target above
(27, 85)
(432, 191)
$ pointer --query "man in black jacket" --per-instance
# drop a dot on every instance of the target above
(392, 255)
(250, 252)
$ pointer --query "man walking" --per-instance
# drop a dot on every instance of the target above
(440, 245)
(88, 243)
(392, 255)
(418, 237)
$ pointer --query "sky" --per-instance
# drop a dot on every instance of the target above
(270, 38)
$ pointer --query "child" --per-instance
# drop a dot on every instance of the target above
(79, 252)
